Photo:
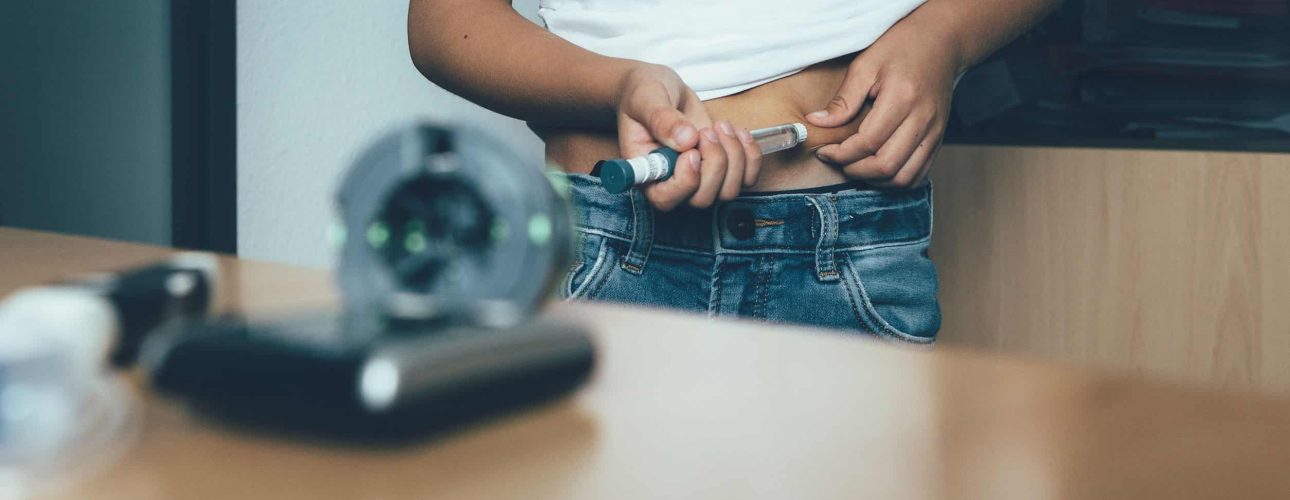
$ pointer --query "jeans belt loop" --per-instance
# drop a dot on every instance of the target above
(826, 267)
(643, 233)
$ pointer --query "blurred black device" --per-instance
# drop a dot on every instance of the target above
(450, 244)
(362, 376)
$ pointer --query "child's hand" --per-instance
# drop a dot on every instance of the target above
(911, 79)
(656, 108)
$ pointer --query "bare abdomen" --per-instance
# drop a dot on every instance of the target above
(781, 101)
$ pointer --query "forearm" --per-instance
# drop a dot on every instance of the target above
(486, 52)
(974, 29)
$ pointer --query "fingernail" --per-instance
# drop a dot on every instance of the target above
(726, 128)
(818, 115)
(745, 136)
(683, 134)
(710, 135)
(694, 160)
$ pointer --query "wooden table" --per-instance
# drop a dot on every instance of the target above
(685, 407)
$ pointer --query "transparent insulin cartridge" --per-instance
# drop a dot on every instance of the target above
(619, 175)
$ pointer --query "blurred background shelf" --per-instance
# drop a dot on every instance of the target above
(1159, 74)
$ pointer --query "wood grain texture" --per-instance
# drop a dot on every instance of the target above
(1169, 263)
(682, 406)
(34, 257)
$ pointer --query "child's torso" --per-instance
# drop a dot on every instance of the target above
(781, 101)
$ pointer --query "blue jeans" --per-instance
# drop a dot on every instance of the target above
(854, 260)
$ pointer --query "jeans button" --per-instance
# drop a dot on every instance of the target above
(739, 222)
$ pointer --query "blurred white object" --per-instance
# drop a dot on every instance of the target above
(63, 414)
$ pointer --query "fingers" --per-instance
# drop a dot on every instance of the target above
(904, 161)
(667, 194)
(927, 164)
(893, 154)
(889, 111)
(848, 100)
(712, 169)
(915, 170)
(695, 110)
(658, 112)
(713, 159)
(752, 157)
(735, 161)
(716, 170)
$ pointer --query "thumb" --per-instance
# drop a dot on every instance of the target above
(667, 194)
(653, 108)
(846, 103)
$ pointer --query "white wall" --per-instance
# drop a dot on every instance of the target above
(316, 82)
(85, 118)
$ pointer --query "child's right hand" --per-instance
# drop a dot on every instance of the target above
(656, 108)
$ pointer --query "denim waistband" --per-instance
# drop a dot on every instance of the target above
(789, 223)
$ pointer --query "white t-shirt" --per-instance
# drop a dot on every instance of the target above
(721, 47)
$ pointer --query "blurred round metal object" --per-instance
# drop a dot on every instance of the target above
(441, 220)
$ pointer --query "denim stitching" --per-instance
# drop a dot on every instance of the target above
(783, 250)
(761, 200)
(768, 249)
(888, 330)
(714, 293)
(643, 237)
(931, 210)
(600, 284)
(924, 236)
(825, 264)
(861, 319)
(593, 274)
(608, 233)
(764, 280)
(875, 246)
(788, 249)
(577, 265)
(849, 194)
(603, 279)
(684, 250)
(649, 232)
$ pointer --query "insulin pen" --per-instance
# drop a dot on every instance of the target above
(619, 175)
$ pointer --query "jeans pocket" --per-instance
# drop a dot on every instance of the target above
(893, 289)
(588, 273)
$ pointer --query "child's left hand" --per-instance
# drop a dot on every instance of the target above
(910, 77)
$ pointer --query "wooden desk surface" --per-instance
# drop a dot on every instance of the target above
(685, 407)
